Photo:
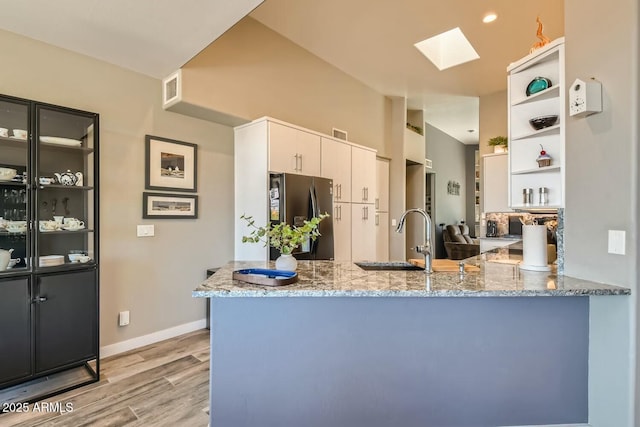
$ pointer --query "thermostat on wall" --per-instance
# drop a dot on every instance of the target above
(585, 98)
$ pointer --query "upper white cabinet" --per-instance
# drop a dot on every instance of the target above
(336, 164)
(292, 150)
(525, 142)
(495, 178)
(363, 175)
(382, 185)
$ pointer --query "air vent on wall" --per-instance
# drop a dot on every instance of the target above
(172, 89)
(340, 134)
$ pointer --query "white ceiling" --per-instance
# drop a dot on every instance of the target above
(153, 37)
(369, 40)
(373, 42)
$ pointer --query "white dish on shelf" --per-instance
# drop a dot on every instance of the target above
(51, 260)
(70, 228)
(61, 141)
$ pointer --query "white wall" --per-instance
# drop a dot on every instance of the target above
(151, 277)
(602, 194)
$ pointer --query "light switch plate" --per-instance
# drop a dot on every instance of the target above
(617, 242)
(146, 230)
(123, 318)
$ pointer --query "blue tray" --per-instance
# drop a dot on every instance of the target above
(266, 277)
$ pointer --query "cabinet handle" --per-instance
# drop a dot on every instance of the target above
(377, 203)
(363, 199)
(377, 219)
(295, 160)
(366, 193)
(38, 300)
(366, 209)
(340, 211)
(300, 156)
(340, 192)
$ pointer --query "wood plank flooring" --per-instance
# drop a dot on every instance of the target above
(163, 384)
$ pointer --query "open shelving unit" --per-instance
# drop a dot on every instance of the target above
(525, 143)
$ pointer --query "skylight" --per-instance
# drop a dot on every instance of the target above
(448, 49)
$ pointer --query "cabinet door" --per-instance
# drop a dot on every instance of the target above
(342, 231)
(293, 151)
(495, 178)
(363, 175)
(15, 329)
(66, 214)
(382, 185)
(308, 148)
(14, 192)
(65, 319)
(363, 232)
(382, 236)
(336, 164)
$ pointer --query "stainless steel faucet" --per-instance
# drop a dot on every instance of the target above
(425, 249)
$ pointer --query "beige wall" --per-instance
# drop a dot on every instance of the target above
(152, 277)
(251, 72)
(602, 194)
(493, 119)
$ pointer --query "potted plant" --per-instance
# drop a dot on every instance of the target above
(500, 144)
(284, 237)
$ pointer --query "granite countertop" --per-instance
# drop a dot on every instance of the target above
(499, 276)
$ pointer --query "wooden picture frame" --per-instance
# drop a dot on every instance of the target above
(170, 165)
(169, 206)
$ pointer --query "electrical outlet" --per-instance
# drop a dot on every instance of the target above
(617, 242)
(393, 222)
(146, 230)
(123, 318)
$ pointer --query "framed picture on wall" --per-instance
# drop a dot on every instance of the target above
(170, 164)
(169, 206)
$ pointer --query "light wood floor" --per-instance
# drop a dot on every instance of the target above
(163, 384)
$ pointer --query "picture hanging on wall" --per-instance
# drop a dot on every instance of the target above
(453, 188)
(170, 164)
(169, 206)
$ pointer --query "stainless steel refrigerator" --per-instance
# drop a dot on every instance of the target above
(295, 198)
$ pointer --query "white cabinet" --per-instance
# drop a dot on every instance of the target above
(382, 236)
(495, 178)
(336, 165)
(342, 231)
(363, 232)
(382, 185)
(525, 143)
(363, 175)
(293, 150)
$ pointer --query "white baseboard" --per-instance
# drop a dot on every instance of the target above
(121, 347)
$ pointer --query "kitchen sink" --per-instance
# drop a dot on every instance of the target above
(388, 266)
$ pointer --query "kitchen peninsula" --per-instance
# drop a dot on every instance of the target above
(349, 347)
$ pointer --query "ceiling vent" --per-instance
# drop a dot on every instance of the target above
(340, 134)
(172, 89)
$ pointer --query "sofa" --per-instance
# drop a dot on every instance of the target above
(457, 242)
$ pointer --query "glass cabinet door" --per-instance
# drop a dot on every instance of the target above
(14, 191)
(65, 207)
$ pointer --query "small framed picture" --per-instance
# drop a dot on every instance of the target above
(170, 164)
(169, 206)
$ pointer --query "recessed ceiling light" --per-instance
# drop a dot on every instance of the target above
(448, 49)
(489, 17)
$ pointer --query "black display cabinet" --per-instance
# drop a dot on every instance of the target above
(49, 284)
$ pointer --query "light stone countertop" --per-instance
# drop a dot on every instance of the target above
(499, 276)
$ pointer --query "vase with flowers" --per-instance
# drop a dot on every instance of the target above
(284, 237)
